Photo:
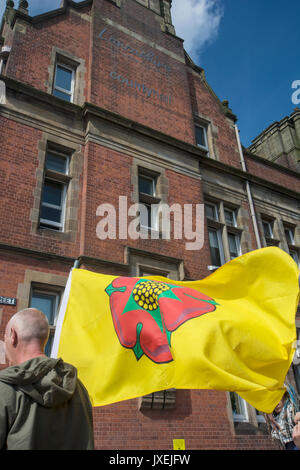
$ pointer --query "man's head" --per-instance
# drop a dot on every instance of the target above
(26, 335)
(280, 405)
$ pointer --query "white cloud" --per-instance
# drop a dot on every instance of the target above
(197, 22)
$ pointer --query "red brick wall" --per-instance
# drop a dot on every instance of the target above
(274, 174)
(115, 71)
(205, 104)
(18, 167)
(31, 50)
(12, 273)
(200, 418)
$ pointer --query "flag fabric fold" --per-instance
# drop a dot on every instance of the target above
(232, 331)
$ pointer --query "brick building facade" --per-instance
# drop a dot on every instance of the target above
(98, 100)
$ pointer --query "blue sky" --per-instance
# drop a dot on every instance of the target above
(248, 48)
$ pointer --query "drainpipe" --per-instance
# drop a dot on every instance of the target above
(248, 188)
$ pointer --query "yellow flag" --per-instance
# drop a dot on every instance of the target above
(232, 331)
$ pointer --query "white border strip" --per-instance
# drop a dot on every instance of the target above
(61, 316)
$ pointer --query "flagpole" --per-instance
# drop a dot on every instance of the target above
(61, 316)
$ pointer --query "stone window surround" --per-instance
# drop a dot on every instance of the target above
(211, 134)
(242, 220)
(158, 264)
(161, 187)
(252, 426)
(280, 222)
(73, 150)
(77, 64)
(40, 280)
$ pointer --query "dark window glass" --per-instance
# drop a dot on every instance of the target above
(56, 163)
(200, 136)
(146, 185)
(63, 78)
(233, 241)
(62, 95)
(53, 215)
(214, 248)
(52, 193)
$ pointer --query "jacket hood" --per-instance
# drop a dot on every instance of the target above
(49, 382)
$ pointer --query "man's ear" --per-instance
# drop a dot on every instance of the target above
(14, 337)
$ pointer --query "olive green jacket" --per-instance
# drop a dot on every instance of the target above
(43, 405)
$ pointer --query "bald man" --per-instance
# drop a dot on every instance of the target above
(43, 405)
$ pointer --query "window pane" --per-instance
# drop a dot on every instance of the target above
(267, 226)
(145, 216)
(146, 185)
(200, 136)
(234, 245)
(229, 217)
(63, 96)
(238, 406)
(211, 211)
(46, 303)
(214, 248)
(213, 239)
(47, 213)
(289, 236)
(56, 163)
(63, 78)
(52, 193)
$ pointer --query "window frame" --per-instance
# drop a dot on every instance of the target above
(290, 239)
(148, 200)
(51, 176)
(220, 245)
(241, 417)
(47, 292)
(205, 146)
(234, 216)
(215, 208)
(238, 239)
(70, 93)
(270, 225)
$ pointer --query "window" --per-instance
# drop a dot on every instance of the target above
(260, 416)
(211, 211)
(290, 235)
(224, 233)
(216, 247)
(230, 217)
(48, 303)
(147, 197)
(201, 137)
(267, 228)
(234, 245)
(64, 82)
(147, 185)
(239, 408)
(54, 191)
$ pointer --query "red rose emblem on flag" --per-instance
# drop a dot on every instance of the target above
(146, 312)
